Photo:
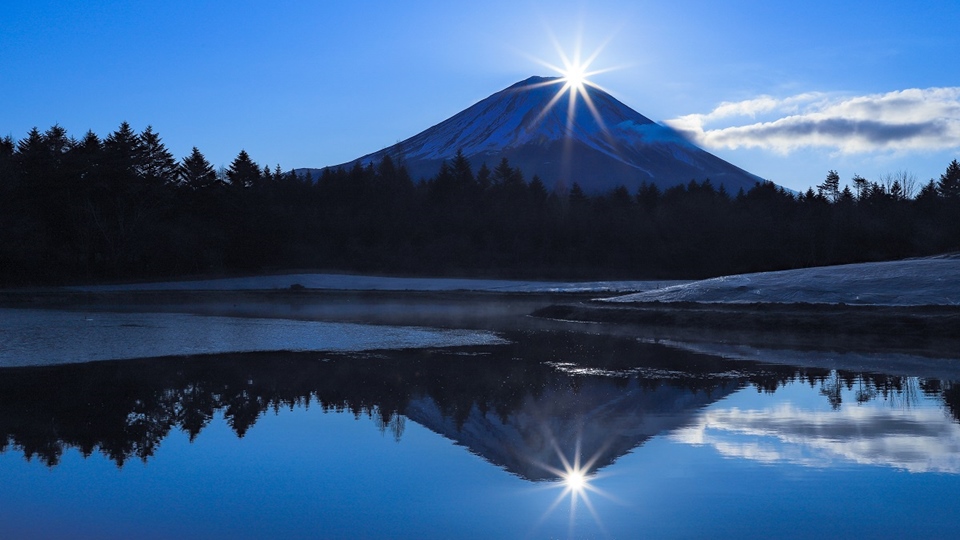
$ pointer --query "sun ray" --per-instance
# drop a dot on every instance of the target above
(553, 101)
(575, 71)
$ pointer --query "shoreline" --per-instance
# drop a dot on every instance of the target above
(925, 329)
(932, 328)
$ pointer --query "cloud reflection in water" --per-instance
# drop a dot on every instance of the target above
(917, 440)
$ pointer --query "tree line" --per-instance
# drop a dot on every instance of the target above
(125, 409)
(123, 207)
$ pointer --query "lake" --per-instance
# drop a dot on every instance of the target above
(439, 416)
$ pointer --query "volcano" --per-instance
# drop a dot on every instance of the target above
(541, 134)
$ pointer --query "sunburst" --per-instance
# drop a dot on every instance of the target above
(576, 483)
(574, 81)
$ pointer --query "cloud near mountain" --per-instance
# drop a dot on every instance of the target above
(904, 120)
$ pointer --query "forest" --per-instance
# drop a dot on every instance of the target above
(123, 208)
(125, 409)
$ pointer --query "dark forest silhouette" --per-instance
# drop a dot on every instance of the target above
(123, 207)
(125, 409)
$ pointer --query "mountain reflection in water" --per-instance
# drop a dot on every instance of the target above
(525, 407)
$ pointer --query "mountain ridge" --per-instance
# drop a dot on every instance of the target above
(534, 126)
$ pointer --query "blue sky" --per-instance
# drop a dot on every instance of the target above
(786, 91)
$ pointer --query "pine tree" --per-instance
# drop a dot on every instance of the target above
(7, 165)
(243, 171)
(195, 171)
(502, 172)
(928, 193)
(538, 191)
(122, 152)
(830, 188)
(32, 157)
(860, 184)
(462, 172)
(157, 165)
(483, 177)
(846, 196)
(45, 172)
(648, 195)
(949, 184)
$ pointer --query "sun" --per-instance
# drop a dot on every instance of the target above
(575, 76)
(574, 81)
(575, 480)
(575, 70)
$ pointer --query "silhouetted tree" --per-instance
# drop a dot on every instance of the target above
(860, 184)
(195, 171)
(830, 188)
(949, 184)
(156, 165)
(243, 171)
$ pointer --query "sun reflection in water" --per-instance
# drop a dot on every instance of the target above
(575, 481)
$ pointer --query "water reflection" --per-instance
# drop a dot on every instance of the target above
(893, 427)
(576, 482)
(503, 403)
(548, 407)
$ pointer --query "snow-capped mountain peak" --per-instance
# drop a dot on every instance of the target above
(546, 128)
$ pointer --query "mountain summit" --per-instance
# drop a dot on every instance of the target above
(539, 132)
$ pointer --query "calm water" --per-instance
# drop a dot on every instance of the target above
(536, 433)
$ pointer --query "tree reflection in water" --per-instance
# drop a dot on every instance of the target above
(524, 406)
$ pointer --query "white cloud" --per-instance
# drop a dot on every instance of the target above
(905, 120)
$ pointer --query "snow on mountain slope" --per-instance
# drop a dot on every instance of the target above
(516, 116)
(602, 420)
(538, 131)
(910, 282)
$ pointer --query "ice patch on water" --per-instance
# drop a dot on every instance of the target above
(39, 337)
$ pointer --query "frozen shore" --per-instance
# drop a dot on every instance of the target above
(909, 282)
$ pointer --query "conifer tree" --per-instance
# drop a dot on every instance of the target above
(462, 172)
(195, 171)
(156, 165)
(538, 191)
(7, 164)
(502, 172)
(123, 149)
(648, 195)
(243, 171)
(32, 156)
(830, 188)
(949, 184)
(860, 184)
(483, 177)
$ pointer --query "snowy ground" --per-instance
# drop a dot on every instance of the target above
(344, 282)
(910, 282)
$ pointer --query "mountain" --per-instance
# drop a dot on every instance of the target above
(616, 146)
(600, 419)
